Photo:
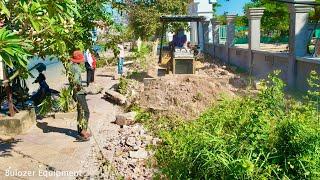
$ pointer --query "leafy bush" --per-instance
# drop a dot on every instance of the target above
(123, 85)
(65, 101)
(261, 137)
(101, 63)
(47, 106)
(144, 50)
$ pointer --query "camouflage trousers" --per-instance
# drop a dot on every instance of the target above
(83, 112)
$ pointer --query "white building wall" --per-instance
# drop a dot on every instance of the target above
(200, 8)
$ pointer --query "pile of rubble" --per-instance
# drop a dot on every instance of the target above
(130, 152)
(185, 96)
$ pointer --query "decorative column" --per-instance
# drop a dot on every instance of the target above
(215, 30)
(230, 29)
(215, 34)
(230, 34)
(298, 38)
(205, 29)
(193, 10)
(254, 15)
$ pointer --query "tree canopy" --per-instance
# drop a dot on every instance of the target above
(144, 16)
(51, 27)
(47, 28)
(276, 17)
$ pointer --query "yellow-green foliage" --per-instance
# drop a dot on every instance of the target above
(101, 63)
(123, 85)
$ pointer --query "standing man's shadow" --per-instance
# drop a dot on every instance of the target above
(48, 129)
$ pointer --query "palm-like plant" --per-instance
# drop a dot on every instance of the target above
(13, 54)
(14, 51)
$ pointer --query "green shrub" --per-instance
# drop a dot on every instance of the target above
(140, 57)
(144, 50)
(65, 101)
(47, 106)
(110, 61)
(123, 86)
(261, 137)
(101, 63)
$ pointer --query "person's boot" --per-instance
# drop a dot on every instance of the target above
(85, 135)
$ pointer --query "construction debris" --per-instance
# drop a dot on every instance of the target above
(115, 97)
(125, 119)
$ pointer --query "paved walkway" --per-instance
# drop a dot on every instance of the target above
(50, 146)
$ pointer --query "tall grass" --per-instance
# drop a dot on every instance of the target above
(263, 137)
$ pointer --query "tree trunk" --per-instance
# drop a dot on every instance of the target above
(9, 95)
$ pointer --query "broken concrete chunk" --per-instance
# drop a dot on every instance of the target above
(93, 89)
(131, 141)
(116, 76)
(140, 154)
(258, 85)
(115, 97)
(147, 81)
(155, 141)
(125, 119)
(122, 120)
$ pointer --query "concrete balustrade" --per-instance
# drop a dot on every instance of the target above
(254, 15)
(295, 65)
(298, 41)
(205, 26)
(231, 29)
(215, 34)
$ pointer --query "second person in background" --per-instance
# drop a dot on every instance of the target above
(90, 64)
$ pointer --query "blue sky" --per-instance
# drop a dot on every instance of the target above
(232, 6)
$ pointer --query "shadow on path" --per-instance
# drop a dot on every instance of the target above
(6, 146)
(48, 129)
(105, 75)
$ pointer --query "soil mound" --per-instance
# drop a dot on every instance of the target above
(183, 95)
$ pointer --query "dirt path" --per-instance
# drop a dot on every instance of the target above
(51, 145)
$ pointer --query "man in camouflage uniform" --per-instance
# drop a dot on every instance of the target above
(79, 96)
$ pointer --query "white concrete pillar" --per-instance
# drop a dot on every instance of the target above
(205, 29)
(193, 10)
(215, 34)
(215, 30)
(201, 36)
(230, 30)
(230, 35)
(254, 15)
(298, 38)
